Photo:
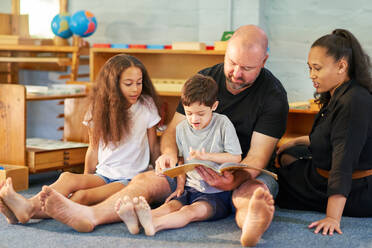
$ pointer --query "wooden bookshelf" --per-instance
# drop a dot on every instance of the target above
(299, 123)
(13, 147)
(161, 64)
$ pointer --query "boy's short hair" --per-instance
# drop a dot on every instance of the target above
(199, 88)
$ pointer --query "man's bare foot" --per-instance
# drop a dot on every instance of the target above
(21, 208)
(66, 211)
(259, 216)
(143, 211)
(125, 209)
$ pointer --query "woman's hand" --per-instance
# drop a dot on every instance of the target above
(328, 224)
(285, 146)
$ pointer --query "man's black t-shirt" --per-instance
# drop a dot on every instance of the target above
(263, 107)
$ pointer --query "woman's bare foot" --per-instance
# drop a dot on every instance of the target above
(259, 216)
(143, 211)
(21, 208)
(125, 209)
(66, 211)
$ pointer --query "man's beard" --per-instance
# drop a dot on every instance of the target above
(237, 86)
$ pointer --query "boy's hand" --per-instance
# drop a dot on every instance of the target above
(328, 224)
(200, 155)
(163, 162)
(177, 193)
(222, 182)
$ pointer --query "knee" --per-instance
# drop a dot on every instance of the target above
(81, 197)
(244, 192)
(202, 211)
(66, 176)
(286, 159)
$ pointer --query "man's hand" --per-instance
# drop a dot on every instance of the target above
(163, 162)
(223, 182)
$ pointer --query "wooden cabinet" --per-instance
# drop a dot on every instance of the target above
(299, 123)
(164, 67)
(13, 149)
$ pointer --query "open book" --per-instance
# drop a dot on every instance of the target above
(180, 169)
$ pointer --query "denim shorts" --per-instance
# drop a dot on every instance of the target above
(109, 180)
(220, 202)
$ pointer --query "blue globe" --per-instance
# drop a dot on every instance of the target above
(60, 25)
(83, 23)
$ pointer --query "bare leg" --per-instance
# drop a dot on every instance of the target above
(95, 195)
(197, 211)
(125, 209)
(254, 210)
(104, 212)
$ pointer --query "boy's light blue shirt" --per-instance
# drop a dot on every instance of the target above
(219, 136)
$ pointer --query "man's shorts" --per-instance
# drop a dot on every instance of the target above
(109, 180)
(270, 182)
(220, 202)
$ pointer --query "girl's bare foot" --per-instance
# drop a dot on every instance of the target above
(21, 208)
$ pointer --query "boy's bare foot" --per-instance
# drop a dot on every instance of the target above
(143, 211)
(66, 211)
(125, 209)
(21, 208)
(259, 216)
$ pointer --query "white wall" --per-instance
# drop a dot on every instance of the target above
(292, 27)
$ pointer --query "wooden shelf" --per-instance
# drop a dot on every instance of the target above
(156, 51)
(31, 97)
(304, 111)
(36, 48)
(161, 64)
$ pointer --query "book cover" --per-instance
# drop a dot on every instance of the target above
(184, 168)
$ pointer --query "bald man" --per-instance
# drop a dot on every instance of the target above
(256, 103)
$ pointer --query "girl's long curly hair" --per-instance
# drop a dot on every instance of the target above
(340, 44)
(111, 120)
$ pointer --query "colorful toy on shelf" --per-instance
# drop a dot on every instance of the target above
(60, 25)
(83, 23)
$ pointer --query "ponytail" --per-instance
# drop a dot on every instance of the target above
(342, 44)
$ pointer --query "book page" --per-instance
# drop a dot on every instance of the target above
(236, 166)
(181, 169)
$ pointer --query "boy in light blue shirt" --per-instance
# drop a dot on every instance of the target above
(205, 137)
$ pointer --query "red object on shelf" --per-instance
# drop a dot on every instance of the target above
(167, 46)
(138, 46)
(210, 47)
(102, 45)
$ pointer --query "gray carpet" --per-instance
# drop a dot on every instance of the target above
(289, 229)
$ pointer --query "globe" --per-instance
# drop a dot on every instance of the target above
(83, 23)
(60, 25)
